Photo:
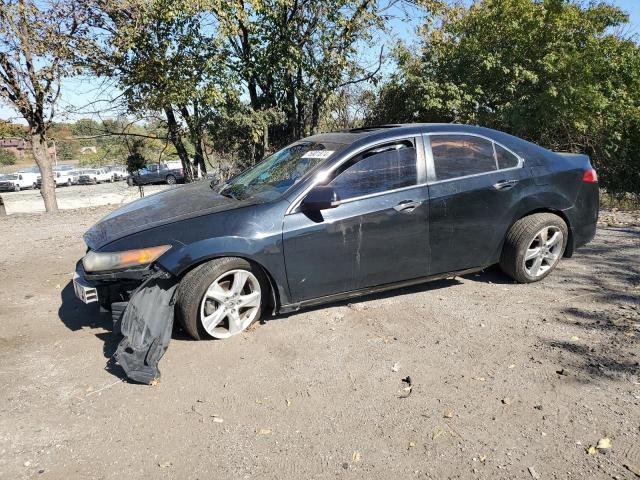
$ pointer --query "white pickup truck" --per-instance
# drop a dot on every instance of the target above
(16, 182)
(62, 178)
(94, 175)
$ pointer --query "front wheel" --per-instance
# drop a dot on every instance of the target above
(533, 247)
(220, 298)
(171, 180)
(16, 188)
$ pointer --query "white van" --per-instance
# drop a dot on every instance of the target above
(15, 182)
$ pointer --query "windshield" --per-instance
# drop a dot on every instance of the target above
(278, 172)
(10, 177)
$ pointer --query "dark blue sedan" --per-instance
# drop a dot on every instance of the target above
(330, 217)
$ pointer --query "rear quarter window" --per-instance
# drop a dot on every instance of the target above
(505, 158)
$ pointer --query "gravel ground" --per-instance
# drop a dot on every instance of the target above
(508, 381)
(76, 196)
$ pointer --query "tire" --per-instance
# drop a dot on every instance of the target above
(525, 239)
(191, 303)
(68, 183)
(34, 186)
(95, 181)
(171, 180)
(16, 188)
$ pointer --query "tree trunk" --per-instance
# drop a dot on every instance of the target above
(48, 188)
(176, 139)
(315, 115)
(194, 124)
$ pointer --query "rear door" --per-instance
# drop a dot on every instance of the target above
(473, 186)
(378, 233)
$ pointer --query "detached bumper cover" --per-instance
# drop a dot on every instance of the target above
(147, 323)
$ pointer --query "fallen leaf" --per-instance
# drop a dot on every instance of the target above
(264, 431)
(603, 443)
(574, 338)
(533, 473)
(506, 401)
(412, 444)
(355, 458)
(217, 419)
(448, 414)
(396, 367)
(436, 432)
(164, 464)
(482, 458)
(592, 450)
(512, 365)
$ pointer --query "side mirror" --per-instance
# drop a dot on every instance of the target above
(320, 198)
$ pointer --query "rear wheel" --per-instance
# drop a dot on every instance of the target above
(220, 298)
(171, 180)
(16, 188)
(534, 246)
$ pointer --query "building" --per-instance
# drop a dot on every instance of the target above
(20, 147)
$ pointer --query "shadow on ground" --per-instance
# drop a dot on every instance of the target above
(606, 300)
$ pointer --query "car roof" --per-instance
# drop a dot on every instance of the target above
(394, 130)
(356, 136)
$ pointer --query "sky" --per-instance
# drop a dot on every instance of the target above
(79, 94)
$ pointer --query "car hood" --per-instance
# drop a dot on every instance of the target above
(161, 208)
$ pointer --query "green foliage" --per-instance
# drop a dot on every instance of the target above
(551, 71)
(7, 157)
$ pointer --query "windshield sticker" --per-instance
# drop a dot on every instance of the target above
(318, 154)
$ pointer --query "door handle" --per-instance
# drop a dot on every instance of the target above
(407, 206)
(505, 184)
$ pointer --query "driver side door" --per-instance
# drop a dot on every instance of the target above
(375, 235)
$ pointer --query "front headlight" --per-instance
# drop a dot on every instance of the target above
(105, 261)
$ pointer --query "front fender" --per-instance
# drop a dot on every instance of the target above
(266, 251)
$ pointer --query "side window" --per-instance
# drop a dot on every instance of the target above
(461, 155)
(506, 159)
(383, 168)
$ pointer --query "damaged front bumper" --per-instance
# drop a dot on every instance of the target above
(144, 317)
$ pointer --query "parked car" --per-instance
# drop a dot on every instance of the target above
(331, 217)
(119, 172)
(15, 182)
(62, 178)
(94, 176)
(170, 173)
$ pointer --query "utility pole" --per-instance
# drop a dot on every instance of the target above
(55, 152)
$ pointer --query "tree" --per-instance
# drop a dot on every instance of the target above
(38, 45)
(293, 55)
(552, 71)
(7, 157)
(165, 58)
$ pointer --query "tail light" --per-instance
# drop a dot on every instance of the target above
(590, 176)
(181, 172)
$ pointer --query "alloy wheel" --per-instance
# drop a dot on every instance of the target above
(544, 251)
(230, 303)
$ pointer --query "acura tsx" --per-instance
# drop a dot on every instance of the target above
(330, 217)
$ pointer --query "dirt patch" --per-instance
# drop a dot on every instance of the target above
(507, 381)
